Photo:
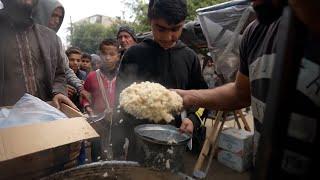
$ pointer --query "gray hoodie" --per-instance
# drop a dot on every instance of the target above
(43, 11)
(41, 15)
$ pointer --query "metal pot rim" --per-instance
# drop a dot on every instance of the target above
(159, 127)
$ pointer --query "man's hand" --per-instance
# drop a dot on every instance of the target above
(71, 90)
(188, 97)
(60, 98)
(186, 126)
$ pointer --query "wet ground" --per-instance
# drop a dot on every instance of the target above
(218, 171)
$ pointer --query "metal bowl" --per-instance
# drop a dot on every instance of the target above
(162, 134)
(161, 147)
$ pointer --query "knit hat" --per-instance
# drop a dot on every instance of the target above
(128, 30)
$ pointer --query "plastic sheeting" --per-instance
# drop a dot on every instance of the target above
(29, 110)
(219, 22)
(192, 35)
(222, 26)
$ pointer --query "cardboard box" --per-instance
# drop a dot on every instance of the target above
(36, 150)
(235, 161)
(236, 141)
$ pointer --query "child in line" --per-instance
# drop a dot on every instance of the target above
(107, 72)
(74, 55)
(101, 84)
(86, 63)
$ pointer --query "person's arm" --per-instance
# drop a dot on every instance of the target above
(85, 102)
(192, 122)
(72, 78)
(231, 96)
(59, 81)
(228, 97)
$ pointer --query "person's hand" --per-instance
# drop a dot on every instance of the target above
(187, 97)
(60, 98)
(71, 90)
(187, 126)
(89, 110)
(85, 95)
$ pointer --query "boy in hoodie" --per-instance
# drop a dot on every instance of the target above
(163, 59)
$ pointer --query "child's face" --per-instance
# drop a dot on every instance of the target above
(164, 34)
(110, 56)
(85, 63)
(74, 61)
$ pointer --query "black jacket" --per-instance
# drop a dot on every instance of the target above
(177, 67)
(174, 68)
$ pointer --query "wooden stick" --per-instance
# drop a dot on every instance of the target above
(214, 145)
(206, 146)
(245, 123)
(237, 119)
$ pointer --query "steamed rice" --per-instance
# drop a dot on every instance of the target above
(151, 101)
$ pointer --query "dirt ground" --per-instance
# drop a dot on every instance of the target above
(218, 171)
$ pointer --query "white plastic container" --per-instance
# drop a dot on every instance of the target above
(237, 141)
(235, 161)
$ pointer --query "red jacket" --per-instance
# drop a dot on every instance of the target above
(92, 86)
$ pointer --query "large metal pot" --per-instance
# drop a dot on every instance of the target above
(161, 147)
(122, 170)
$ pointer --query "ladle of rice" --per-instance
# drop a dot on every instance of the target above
(152, 101)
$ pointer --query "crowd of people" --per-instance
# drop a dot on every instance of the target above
(32, 60)
(91, 83)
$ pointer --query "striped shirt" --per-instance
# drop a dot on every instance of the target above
(257, 57)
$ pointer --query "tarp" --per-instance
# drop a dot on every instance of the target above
(222, 26)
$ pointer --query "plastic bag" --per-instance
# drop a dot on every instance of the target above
(4, 113)
(227, 66)
(29, 110)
